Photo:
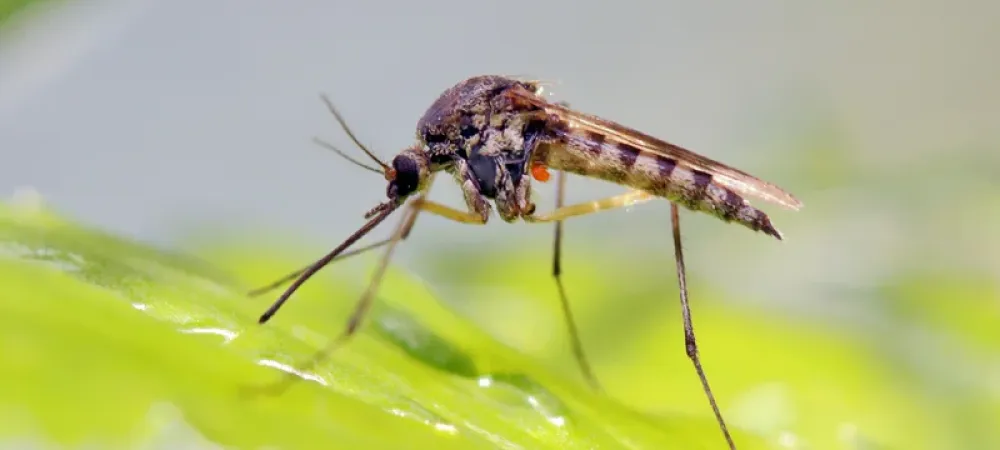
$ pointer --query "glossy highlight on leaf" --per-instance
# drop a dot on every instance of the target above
(120, 344)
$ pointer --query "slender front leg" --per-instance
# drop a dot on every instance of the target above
(574, 334)
(415, 207)
(408, 221)
(478, 214)
(364, 303)
(418, 205)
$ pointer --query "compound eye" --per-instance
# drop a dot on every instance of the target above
(407, 175)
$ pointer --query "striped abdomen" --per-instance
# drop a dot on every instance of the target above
(595, 155)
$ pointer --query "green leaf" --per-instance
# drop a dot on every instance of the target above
(8, 8)
(114, 343)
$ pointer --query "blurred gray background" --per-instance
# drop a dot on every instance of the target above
(145, 117)
(138, 114)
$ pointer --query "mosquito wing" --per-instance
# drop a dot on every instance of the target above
(732, 178)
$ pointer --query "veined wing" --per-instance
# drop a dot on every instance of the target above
(732, 178)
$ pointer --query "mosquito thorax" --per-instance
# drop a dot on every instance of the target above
(457, 118)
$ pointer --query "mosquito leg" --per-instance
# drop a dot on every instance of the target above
(558, 216)
(477, 216)
(419, 204)
(689, 339)
(449, 213)
(295, 274)
(579, 209)
(365, 302)
(477, 208)
(409, 221)
(631, 198)
(362, 306)
(416, 206)
(366, 299)
(574, 334)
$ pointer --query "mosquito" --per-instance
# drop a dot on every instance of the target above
(494, 134)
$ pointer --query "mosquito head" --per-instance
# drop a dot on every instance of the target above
(408, 174)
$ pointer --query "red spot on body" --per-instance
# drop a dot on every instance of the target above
(540, 172)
